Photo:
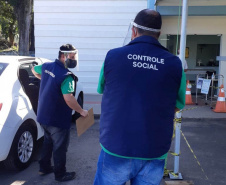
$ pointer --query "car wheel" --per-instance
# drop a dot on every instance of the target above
(22, 149)
(76, 115)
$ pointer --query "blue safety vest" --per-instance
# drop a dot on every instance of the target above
(142, 80)
(52, 108)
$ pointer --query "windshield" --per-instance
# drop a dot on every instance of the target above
(2, 67)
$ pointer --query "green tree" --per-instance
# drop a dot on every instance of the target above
(8, 21)
(32, 32)
(22, 10)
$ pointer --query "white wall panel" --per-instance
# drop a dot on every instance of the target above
(87, 73)
(81, 51)
(87, 57)
(94, 22)
(92, 26)
(98, 3)
(81, 34)
(89, 9)
(81, 28)
(78, 16)
(85, 40)
(80, 45)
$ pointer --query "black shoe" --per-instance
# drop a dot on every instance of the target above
(46, 171)
(67, 177)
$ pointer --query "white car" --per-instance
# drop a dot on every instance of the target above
(19, 130)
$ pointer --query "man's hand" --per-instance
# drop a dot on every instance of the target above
(84, 113)
(73, 104)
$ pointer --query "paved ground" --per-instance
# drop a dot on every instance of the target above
(207, 139)
(202, 111)
(81, 157)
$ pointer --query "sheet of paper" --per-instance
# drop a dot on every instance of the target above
(82, 124)
(199, 83)
(205, 86)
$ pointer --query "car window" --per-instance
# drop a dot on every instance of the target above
(2, 67)
(27, 67)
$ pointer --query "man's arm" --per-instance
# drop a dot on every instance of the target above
(73, 104)
(180, 102)
(100, 88)
(36, 71)
(185, 66)
(67, 89)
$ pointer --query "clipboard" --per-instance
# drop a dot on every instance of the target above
(83, 124)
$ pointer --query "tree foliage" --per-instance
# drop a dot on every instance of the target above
(22, 10)
(8, 21)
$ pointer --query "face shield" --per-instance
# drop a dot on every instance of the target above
(71, 59)
(128, 37)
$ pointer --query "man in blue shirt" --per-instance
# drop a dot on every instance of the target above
(56, 101)
(143, 85)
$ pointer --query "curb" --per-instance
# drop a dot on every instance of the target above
(97, 116)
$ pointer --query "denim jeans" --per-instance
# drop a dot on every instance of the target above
(56, 141)
(113, 170)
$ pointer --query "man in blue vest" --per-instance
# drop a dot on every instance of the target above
(142, 85)
(56, 101)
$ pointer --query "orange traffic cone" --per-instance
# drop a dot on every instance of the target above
(221, 105)
(188, 99)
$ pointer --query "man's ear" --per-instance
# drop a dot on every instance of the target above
(160, 33)
(63, 57)
(134, 33)
(157, 35)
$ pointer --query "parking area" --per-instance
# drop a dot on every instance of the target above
(205, 137)
(81, 157)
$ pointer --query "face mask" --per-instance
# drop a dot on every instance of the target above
(71, 63)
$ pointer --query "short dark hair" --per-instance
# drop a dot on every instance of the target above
(65, 47)
(150, 19)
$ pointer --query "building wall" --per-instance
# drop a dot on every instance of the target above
(201, 25)
(92, 26)
(191, 2)
(192, 43)
(222, 67)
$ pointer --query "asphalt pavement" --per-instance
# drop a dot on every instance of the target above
(81, 157)
(206, 138)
